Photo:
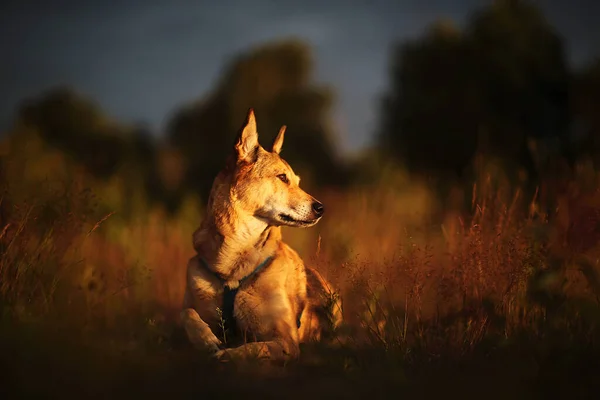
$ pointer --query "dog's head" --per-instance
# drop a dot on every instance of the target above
(264, 185)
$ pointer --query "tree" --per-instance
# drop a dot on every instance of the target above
(78, 127)
(523, 78)
(74, 124)
(585, 101)
(488, 89)
(428, 116)
(275, 80)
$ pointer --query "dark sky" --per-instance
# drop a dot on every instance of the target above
(142, 59)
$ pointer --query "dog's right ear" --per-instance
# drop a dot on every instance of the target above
(278, 142)
(247, 141)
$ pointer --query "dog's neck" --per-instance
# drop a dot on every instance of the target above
(231, 241)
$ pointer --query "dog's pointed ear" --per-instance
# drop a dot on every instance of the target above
(278, 142)
(247, 141)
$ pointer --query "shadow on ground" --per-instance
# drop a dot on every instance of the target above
(50, 363)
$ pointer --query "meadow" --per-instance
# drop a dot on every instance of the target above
(464, 238)
(491, 290)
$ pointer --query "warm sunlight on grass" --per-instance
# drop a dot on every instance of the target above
(404, 264)
(423, 279)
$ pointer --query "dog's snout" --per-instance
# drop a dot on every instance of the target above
(318, 208)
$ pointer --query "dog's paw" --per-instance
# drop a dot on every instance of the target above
(213, 344)
(222, 355)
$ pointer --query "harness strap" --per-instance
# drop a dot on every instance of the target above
(229, 294)
(229, 323)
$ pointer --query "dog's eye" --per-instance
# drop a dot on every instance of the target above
(283, 178)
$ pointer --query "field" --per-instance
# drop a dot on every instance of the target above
(460, 173)
(492, 291)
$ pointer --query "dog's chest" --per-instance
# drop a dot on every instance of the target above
(216, 302)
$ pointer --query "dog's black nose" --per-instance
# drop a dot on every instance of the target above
(318, 208)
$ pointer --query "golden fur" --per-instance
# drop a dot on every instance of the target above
(251, 198)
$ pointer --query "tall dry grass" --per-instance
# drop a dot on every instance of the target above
(420, 276)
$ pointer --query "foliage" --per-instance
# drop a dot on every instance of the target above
(491, 89)
(275, 80)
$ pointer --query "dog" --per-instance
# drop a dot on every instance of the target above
(244, 280)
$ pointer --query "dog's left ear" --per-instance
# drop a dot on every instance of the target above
(247, 141)
(278, 142)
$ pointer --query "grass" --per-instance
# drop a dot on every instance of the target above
(500, 298)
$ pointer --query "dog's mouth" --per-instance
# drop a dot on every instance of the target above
(292, 221)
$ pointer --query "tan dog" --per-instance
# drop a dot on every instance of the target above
(244, 279)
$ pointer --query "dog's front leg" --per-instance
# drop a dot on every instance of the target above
(198, 331)
(284, 346)
(272, 350)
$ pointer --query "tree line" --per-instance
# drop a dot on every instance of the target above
(499, 88)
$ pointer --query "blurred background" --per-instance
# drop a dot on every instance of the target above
(455, 145)
(169, 81)
(346, 76)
